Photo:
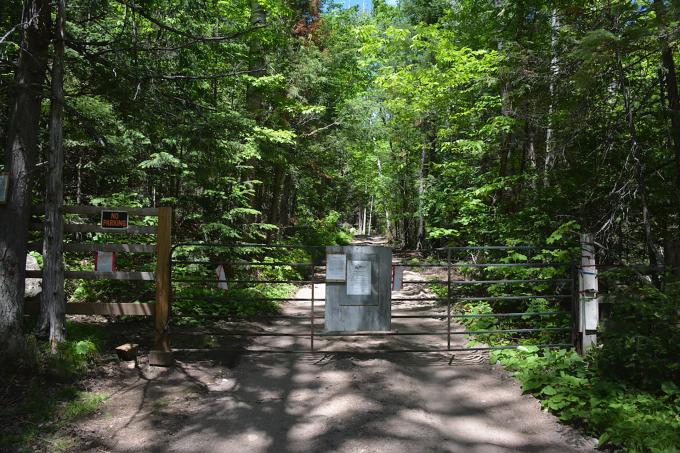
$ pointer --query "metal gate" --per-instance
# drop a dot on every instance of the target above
(487, 297)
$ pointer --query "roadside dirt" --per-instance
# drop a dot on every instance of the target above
(229, 401)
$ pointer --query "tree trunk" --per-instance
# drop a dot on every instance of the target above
(554, 75)
(258, 16)
(653, 252)
(278, 178)
(530, 153)
(507, 140)
(388, 224)
(286, 200)
(671, 85)
(420, 240)
(370, 215)
(53, 301)
(21, 154)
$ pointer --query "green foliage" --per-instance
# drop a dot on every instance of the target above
(35, 422)
(572, 388)
(481, 122)
(72, 357)
(45, 398)
(321, 232)
(236, 304)
(641, 336)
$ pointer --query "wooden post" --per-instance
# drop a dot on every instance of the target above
(161, 355)
(588, 307)
(311, 321)
(448, 299)
(575, 314)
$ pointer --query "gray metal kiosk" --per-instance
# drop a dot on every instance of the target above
(358, 288)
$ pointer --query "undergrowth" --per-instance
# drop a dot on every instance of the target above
(41, 395)
(626, 392)
(278, 270)
(619, 414)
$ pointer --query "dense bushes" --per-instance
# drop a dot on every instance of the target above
(325, 231)
(197, 303)
(641, 336)
(627, 390)
(576, 391)
(41, 393)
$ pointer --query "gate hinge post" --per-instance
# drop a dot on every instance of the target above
(588, 300)
(161, 355)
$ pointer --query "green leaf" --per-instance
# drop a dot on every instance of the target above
(549, 390)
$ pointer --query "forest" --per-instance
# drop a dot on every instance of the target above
(434, 123)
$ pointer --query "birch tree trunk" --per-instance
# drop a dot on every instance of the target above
(21, 154)
(554, 75)
(370, 216)
(53, 301)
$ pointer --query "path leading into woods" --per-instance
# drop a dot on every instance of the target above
(382, 402)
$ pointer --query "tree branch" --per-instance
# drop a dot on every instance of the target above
(202, 77)
(186, 34)
(316, 131)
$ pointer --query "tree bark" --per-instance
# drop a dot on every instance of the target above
(278, 178)
(370, 216)
(21, 154)
(530, 153)
(549, 160)
(258, 17)
(420, 240)
(388, 223)
(671, 85)
(53, 300)
(507, 140)
(653, 252)
(286, 200)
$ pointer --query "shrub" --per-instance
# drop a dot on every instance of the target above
(571, 387)
(641, 338)
(325, 231)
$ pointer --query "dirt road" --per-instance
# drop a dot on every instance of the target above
(382, 402)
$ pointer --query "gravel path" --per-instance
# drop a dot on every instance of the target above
(335, 402)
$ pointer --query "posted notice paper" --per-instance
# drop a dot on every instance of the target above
(359, 278)
(335, 267)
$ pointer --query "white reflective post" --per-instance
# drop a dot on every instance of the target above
(588, 294)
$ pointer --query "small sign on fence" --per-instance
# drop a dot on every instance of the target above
(221, 278)
(397, 278)
(105, 262)
(115, 220)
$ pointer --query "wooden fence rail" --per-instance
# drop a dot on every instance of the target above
(161, 354)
